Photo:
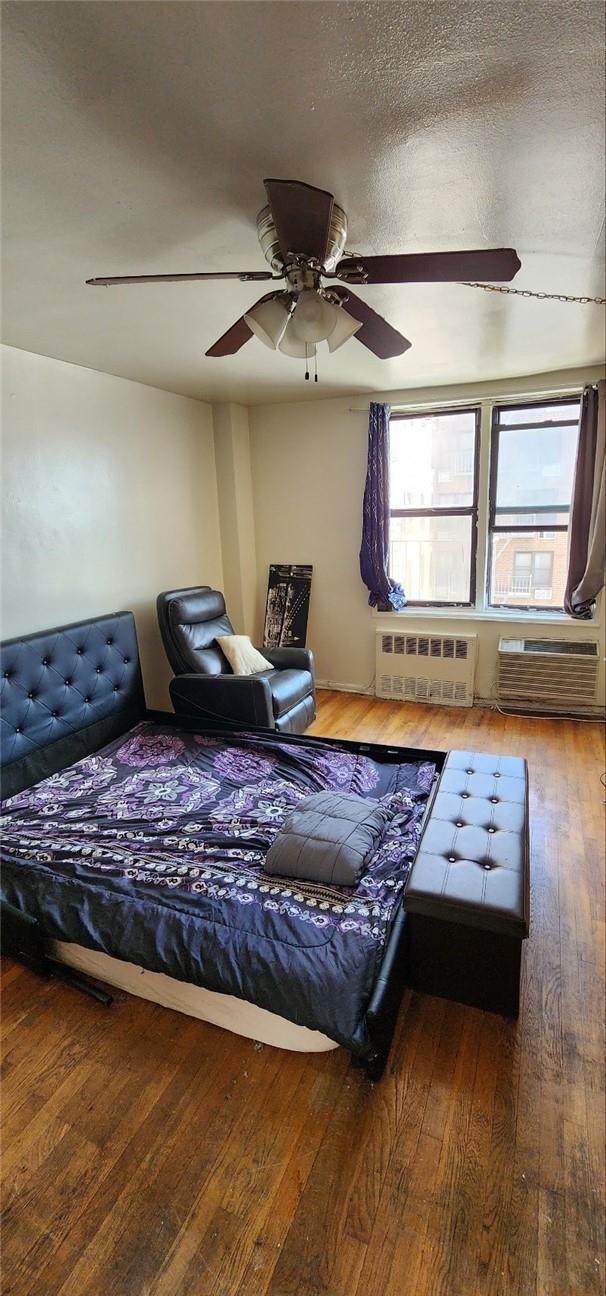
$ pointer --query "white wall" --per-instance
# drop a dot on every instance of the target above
(109, 497)
(308, 470)
(234, 486)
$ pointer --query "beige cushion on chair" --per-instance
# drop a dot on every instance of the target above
(242, 656)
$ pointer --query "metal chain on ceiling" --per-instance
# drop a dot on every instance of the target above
(541, 296)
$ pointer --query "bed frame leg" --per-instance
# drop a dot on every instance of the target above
(81, 983)
(374, 1066)
(23, 939)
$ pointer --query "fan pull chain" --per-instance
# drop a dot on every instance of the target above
(306, 365)
(316, 365)
(541, 296)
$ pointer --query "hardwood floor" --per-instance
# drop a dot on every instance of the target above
(147, 1154)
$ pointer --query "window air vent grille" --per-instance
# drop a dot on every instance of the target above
(549, 675)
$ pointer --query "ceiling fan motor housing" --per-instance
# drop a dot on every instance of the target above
(268, 238)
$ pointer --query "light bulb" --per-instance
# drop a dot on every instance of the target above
(314, 318)
(268, 321)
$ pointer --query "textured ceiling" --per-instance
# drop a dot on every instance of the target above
(136, 137)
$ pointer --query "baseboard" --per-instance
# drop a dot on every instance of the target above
(592, 715)
(595, 714)
(346, 688)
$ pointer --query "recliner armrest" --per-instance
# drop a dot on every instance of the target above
(290, 659)
(243, 699)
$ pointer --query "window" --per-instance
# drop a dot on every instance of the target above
(508, 539)
(464, 463)
(531, 575)
(434, 505)
(532, 464)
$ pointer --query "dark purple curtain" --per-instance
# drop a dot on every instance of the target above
(374, 552)
(587, 530)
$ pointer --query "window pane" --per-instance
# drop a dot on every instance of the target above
(508, 519)
(522, 561)
(535, 466)
(539, 414)
(528, 570)
(432, 461)
(431, 557)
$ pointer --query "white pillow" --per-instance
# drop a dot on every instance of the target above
(241, 655)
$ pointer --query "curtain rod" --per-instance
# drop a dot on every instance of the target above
(516, 397)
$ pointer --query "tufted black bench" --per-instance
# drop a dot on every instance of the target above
(468, 891)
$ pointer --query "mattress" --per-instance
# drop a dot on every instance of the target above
(235, 1015)
(151, 851)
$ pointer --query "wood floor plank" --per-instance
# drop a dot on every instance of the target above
(416, 1209)
(243, 1172)
(315, 1251)
(400, 1098)
(447, 1257)
(318, 1105)
(390, 1253)
(123, 1251)
(146, 1154)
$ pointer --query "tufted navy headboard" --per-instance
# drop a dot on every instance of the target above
(65, 693)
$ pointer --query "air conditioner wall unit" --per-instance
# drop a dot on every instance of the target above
(548, 674)
(434, 668)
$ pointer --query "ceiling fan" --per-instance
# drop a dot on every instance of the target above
(302, 232)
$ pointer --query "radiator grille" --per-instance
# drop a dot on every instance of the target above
(438, 669)
(422, 646)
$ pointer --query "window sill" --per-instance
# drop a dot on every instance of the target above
(491, 614)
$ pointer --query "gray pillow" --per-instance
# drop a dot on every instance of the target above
(329, 838)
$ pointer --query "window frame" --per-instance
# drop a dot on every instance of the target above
(470, 510)
(492, 526)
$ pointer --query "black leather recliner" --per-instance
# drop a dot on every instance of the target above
(204, 684)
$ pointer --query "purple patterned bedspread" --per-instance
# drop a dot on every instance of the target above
(152, 850)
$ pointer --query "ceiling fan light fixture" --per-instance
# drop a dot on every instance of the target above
(291, 345)
(345, 327)
(268, 322)
(314, 317)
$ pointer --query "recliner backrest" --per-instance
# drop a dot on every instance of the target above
(190, 620)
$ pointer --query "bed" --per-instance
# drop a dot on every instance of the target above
(135, 841)
(133, 848)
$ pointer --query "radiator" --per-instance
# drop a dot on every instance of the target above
(548, 674)
(433, 668)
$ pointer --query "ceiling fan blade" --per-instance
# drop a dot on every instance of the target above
(301, 215)
(488, 265)
(376, 334)
(239, 333)
(244, 275)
